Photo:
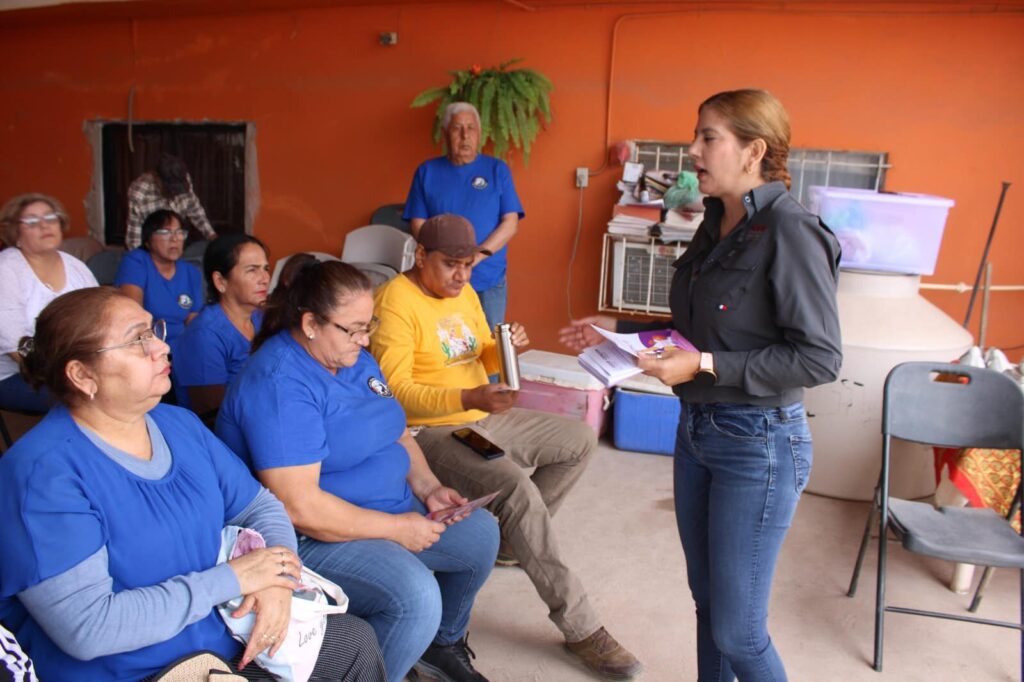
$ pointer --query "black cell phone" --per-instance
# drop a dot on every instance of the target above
(477, 443)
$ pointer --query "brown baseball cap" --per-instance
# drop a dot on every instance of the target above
(450, 234)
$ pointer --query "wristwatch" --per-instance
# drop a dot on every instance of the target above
(487, 252)
(706, 374)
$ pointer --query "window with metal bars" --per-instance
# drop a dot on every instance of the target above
(807, 167)
(637, 272)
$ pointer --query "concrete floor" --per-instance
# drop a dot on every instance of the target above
(617, 530)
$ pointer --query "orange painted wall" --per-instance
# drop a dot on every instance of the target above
(942, 92)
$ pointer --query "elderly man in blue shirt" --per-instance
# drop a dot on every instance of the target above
(477, 187)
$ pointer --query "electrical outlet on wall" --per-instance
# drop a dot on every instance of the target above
(582, 177)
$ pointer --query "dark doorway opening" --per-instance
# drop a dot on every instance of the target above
(213, 152)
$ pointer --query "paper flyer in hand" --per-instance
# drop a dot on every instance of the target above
(614, 361)
(443, 515)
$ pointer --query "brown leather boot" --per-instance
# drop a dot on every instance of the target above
(606, 657)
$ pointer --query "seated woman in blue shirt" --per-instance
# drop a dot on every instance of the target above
(216, 344)
(314, 417)
(113, 508)
(156, 278)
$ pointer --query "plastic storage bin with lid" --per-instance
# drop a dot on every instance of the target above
(886, 231)
(555, 383)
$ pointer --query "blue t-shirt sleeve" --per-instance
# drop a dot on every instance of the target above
(202, 358)
(132, 269)
(416, 202)
(509, 199)
(49, 526)
(283, 424)
(80, 610)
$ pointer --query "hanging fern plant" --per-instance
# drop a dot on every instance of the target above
(512, 104)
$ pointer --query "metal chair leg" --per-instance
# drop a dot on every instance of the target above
(864, 541)
(982, 584)
(883, 523)
(987, 575)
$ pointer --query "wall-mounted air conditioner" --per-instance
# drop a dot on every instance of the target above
(639, 272)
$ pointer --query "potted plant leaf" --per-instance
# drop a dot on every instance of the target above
(514, 104)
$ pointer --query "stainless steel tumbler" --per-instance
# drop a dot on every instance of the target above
(508, 358)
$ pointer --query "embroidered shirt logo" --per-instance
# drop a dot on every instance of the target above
(479, 182)
(185, 301)
(379, 387)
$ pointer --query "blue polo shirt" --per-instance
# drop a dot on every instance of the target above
(285, 409)
(62, 499)
(481, 191)
(171, 299)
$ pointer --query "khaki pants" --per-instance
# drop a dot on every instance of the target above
(558, 449)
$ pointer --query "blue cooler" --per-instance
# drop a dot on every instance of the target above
(646, 416)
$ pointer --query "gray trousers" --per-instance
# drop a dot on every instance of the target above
(558, 450)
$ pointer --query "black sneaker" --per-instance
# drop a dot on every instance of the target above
(449, 663)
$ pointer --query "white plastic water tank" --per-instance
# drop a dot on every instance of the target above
(884, 322)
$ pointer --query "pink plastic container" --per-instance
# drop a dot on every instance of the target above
(555, 383)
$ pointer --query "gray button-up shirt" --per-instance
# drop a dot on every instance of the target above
(762, 301)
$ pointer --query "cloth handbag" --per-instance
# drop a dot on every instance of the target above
(295, 660)
(202, 666)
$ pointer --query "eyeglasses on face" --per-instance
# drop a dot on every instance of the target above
(35, 221)
(165, 233)
(365, 332)
(157, 331)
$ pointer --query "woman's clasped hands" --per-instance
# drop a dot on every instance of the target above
(267, 578)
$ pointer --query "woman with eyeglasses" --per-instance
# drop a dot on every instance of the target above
(33, 272)
(113, 508)
(313, 416)
(156, 278)
(216, 344)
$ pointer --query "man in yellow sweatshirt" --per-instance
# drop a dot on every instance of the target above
(436, 351)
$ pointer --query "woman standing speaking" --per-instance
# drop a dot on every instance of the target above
(756, 293)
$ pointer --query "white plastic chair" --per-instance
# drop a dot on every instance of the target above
(380, 244)
(319, 255)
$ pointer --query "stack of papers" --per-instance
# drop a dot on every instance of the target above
(634, 218)
(614, 361)
(679, 226)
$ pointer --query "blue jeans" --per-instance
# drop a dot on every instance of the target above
(739, 472)
(15, 394)
(394, 590)
(494, 301)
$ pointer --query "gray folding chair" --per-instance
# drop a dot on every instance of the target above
(968, 407)
(391, 214)
(104, 265)
(194, 252)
